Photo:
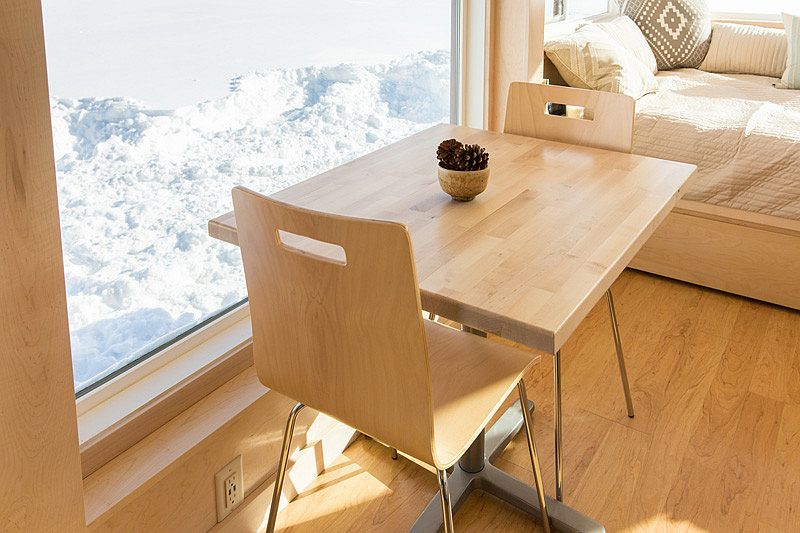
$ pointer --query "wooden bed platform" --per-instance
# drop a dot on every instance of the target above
(735, 251)
(744, 253)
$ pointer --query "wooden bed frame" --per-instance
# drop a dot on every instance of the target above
(744, 253)
(736, 251)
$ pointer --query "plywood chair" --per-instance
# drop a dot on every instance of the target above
(608, 124)
(337, 326)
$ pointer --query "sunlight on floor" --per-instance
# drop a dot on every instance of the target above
(342, 486)
(662, 522)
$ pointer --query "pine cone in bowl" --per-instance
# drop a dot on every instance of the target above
(448, 152)
(463, 169)
(472, 157)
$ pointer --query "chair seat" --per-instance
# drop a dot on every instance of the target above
(470, 378)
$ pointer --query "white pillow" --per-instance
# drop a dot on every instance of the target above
(591, 59)
(745, 49)
(791, 77)
(625, 31)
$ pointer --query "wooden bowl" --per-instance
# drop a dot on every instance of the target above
(463, 185)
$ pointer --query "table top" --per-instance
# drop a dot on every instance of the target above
(528, 258)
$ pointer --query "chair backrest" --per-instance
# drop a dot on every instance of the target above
(609, 122)
(336, 315)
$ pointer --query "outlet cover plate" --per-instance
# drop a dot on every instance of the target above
(224, 505)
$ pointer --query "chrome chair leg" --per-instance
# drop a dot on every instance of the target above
(447, 508)
(537, 472)
(623, 373)
(557, 420)
(284, 460)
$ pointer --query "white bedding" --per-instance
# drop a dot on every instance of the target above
(741, 132)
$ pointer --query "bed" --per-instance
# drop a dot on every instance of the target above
(738, 227)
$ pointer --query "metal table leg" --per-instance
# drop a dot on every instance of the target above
(475, 472)
(558, 421)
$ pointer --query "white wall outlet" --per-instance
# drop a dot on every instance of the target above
(229, 488)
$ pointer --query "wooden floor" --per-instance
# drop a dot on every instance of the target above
(714, 446)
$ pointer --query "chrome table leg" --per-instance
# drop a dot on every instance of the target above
(623, 373)
(558, 425)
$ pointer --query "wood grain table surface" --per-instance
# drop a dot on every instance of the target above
(528, 258)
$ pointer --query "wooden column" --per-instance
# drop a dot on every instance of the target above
(515, 51)
(39, 458)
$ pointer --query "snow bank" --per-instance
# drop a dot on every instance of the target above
(138, 185)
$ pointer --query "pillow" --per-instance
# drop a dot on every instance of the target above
(591, 59)
(679, 31)
(791, 78)
(623, 30)
(744, 49)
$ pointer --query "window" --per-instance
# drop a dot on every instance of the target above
(575, 9)
(160, 107)
(765, 7)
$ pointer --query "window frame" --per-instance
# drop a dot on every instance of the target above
(611, 7)
(194, 361)
(558, 27)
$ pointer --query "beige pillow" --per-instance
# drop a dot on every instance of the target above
(625, 31)
(745, 49)
(791, 78)
(591, 59)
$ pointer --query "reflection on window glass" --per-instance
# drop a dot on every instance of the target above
(160, 107)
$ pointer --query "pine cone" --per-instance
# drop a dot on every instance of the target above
(472, 157)
(448, 152)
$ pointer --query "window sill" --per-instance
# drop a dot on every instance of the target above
(122, 412)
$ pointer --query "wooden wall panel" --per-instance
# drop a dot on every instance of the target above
(515, 51)
(166, 481)
(41, 488)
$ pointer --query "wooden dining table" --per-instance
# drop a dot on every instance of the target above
(526, 260)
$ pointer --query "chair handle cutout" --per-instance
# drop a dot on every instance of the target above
(556, 109)
(311, 248)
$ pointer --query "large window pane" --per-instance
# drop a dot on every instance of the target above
(772, 7)
(160, 107)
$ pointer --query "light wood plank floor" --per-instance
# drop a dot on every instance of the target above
(715, 445)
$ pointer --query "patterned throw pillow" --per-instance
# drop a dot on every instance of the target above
(591, 59)
(679, 31)
(791, 78)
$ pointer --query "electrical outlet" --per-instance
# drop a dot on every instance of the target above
(229, 489)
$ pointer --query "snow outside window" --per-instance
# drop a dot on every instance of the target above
(160, 107)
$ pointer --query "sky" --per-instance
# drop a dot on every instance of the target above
(170, 53)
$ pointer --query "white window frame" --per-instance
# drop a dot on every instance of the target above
(109, 403)
(611, 7)
(118, 398)
(558, 27)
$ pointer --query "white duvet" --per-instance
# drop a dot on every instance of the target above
(741, 132)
